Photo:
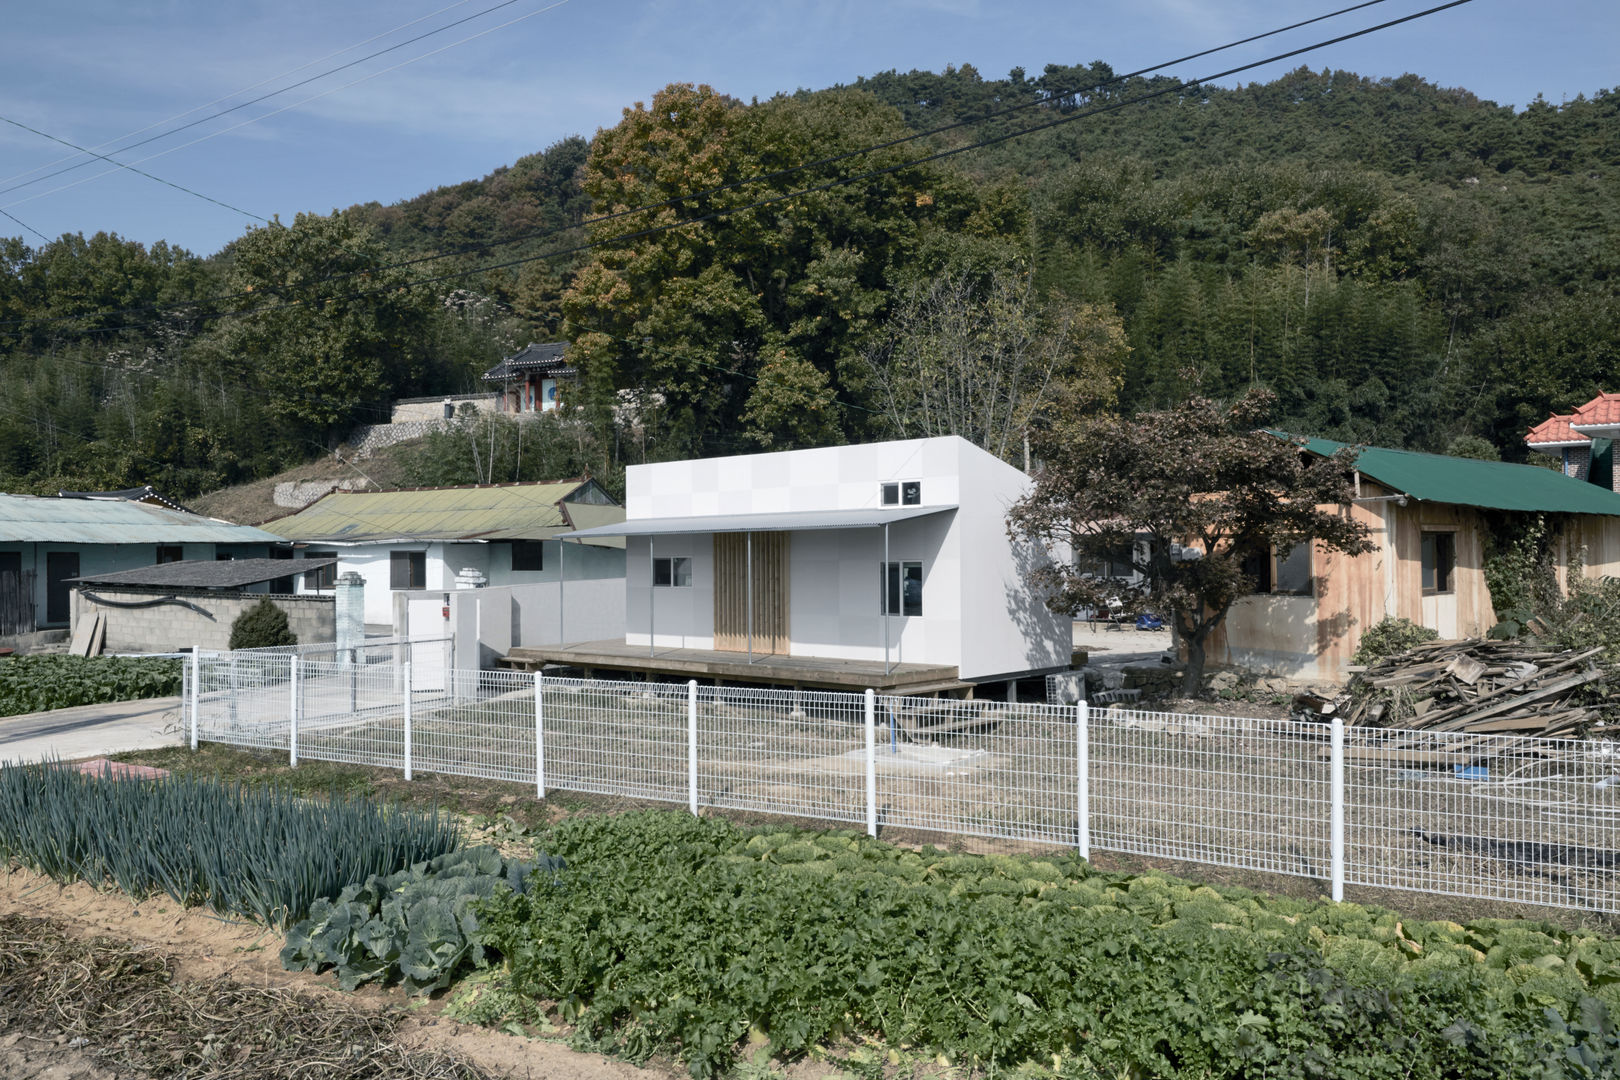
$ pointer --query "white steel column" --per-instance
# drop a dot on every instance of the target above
(691, 747)
(884, 579)
(748, 592)
(1336, 794)
(196, 693)
(292, 718)
(539, 735)
(1082, 763)
(651, 591)
(562, 584)
(407, 719)
(871, 763)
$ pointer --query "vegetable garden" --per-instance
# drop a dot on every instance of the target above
(38, 683)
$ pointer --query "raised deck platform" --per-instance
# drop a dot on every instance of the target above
(804, 672)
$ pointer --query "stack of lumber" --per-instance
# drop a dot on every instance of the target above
(1480, 687)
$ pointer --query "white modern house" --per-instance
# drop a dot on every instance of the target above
(416, 547)
(882, 565)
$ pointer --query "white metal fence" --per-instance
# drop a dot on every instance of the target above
(1496, 817)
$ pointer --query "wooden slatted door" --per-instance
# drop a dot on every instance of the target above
(770, 592)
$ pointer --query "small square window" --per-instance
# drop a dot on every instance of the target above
(672, 573)
(407, 570)
(911, 493)
(891, 494)
(528, 555)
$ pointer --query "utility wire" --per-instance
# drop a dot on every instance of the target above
(240, 90)
(274, 93)
(622, 238)
(131, 168)
(27, 226)
(287, 108)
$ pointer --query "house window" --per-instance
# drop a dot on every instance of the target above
(323, 578)
(903, 493)
(407, 570)
(168, 553)
(1439, 560)
(1257, 568)
(528, 555)
(901, 588)
(674, 572)
(1294, 571)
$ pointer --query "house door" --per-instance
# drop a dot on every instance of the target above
(770, 591)
(16, 595)
(59, 567)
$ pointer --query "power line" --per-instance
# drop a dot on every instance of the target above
(239, 90)
(287, 108)
(274, 93)
(27, 226)
(1114, 106)
(131, 168)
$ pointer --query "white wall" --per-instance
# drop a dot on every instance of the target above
(443, 561)
(977, 612)
(492, 621)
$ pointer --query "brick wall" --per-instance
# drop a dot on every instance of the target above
(169, 627)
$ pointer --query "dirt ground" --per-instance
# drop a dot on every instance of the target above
(206, 948)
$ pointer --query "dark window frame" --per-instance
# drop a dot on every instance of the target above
(528, 556)
(896, 594)
(324, 577)
(889, 493)
(168, 553)
(1437, 560)
(414, 565)
(668, 567)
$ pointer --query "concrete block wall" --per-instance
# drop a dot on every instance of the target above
(170, 627)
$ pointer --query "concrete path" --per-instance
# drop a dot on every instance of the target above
(90, 730)
(1111, 646)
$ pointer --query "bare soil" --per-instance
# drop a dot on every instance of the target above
(254, 503)
(207, 951)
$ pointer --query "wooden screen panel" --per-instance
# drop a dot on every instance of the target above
(770, 559)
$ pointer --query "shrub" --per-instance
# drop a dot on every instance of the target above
(262, 626)
(37, 683)
(1389, 637)
(417, 925)
(261, 852)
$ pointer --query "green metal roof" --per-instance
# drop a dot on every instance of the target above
(32, 519)
(494, 512)
(1495, 485)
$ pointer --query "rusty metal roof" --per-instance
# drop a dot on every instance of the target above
(43, 520)
(485, 512)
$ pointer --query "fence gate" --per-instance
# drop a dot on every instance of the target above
(425, 619)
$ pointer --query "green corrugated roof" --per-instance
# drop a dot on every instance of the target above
(497, 512)
(1495, 485)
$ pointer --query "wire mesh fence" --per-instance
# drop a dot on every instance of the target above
(1495, 817)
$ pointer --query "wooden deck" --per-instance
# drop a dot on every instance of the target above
(805, 672)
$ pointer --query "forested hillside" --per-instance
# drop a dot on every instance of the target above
(1404, 264)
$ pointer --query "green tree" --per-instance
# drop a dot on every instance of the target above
(792, 405)
(1201, 475)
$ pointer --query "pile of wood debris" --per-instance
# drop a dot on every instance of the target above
(1480, 687)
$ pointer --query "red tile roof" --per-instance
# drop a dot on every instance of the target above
(1603, 409)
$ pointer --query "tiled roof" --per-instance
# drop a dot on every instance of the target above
(1602, 411)
(550, 357)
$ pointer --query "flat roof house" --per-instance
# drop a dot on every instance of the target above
(424, 540)
(885, 565)
(1428, 516)
(47, 542)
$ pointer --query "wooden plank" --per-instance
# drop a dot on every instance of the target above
(1557, 686)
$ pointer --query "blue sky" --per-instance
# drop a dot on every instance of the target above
(90, 71)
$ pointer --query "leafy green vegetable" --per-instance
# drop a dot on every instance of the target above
(682, 935)
(418, 925)
(38, 683)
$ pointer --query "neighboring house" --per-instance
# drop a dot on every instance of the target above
(435, 540)
(146, 494)
(1427, 516)
(46, 542)
(531, 379)
(885, 565)
(1583, 441)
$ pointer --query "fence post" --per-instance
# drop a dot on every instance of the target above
(1082, 764)
(871, 762)
(292, 710)
(691, 746)
(196, 695)
(539, 736)
(1336, 794)
(407, 719)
